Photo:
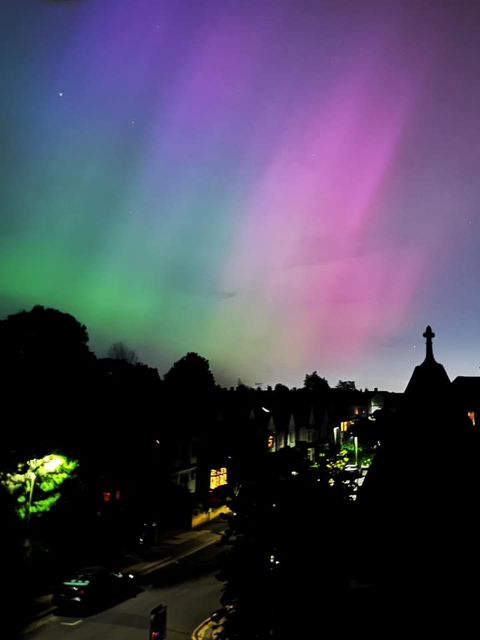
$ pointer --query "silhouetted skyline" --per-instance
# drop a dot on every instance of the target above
(281, 187)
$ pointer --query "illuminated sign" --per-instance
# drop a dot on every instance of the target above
(218, 477)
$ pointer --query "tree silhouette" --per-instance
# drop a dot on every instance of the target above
(313, 382)
(189, 392)
(192, 373)
(45, 372)
(346, 385)
(43, 338)
(119, 351)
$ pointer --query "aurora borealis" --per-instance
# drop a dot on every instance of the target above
(281, 186)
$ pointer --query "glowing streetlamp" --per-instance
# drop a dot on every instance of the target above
(47, 464)
(52, 462)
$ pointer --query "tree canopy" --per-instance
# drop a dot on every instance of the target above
(43, 337)
(35, 483)
(314, 382)
(192, 373)
(287, 520)
(46, 372)
(119, 351)
(346, 385)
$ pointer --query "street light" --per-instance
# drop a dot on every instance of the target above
(31, 477)
(52, 462)
(49, 464)
(355, 446)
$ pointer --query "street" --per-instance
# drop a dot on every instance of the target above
(188, 587)
(188, 604)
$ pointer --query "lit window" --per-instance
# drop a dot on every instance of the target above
(218, 477)
(344, 426)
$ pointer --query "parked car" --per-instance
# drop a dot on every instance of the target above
(93, 587)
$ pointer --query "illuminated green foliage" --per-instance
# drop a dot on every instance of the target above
(365, 454)
(36, 482)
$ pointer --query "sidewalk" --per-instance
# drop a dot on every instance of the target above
(171, 547)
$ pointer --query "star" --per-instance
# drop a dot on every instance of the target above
(60, 94)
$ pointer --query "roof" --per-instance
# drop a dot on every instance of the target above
(429, 377)
(467, 390)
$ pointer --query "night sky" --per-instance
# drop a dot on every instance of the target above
(281, 186)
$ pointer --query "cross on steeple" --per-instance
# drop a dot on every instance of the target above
(429, 335)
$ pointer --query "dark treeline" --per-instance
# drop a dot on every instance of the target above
(57, 395)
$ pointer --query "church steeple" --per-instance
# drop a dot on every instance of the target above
(429, 335)
(428, 378)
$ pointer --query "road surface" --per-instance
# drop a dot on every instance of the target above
(188, 588)
(188, 603)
